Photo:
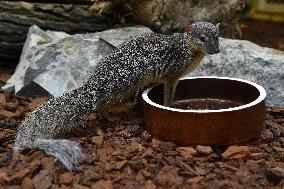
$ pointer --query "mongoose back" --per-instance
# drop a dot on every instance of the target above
(149, 59)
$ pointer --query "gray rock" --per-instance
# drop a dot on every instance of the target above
(36, 42)
(246, 60)
(274, 175)
(55, 62)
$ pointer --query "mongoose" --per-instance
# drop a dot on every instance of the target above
(150, 59)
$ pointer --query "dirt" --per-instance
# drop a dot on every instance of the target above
(125, 155)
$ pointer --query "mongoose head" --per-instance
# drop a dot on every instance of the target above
(205, 35)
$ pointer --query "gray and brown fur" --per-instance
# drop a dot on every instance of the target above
(150, 59)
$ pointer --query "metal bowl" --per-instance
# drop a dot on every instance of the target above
(207, 111)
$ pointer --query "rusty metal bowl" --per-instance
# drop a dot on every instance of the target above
(207, 111)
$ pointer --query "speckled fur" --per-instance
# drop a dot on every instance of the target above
(150, 59)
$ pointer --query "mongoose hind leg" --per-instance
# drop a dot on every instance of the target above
(123, 105)
(122, 108)
(108, 115)
(112, 113)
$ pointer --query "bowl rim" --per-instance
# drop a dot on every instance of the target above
(261, 97)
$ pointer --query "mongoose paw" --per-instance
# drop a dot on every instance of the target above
(171, 105)
(168, 104)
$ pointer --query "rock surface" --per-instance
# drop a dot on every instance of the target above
(58, 62)
(246, 60)
(55, 62)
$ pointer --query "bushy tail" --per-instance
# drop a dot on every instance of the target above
(52, 119)
(67, 152)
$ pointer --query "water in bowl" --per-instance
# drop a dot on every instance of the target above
(205, 104)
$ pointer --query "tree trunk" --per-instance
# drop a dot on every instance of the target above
(165, 16)
(17, 17)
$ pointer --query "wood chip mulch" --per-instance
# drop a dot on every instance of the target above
(125, 155)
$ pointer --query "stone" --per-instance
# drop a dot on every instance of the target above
(36, 155)
(236, 152)
(120, 164)
(53, 63)
(36, 102)
(194, 180)
(2, 99)
(27, 183)
(258, 156)
(102, 184)
(254, 166)
(274, 175)
(66, 178)
(98, 140)
(149, 185)
(35, 36)
(155, 142)
(78, 186)
(279, 149)
(246, 60)
(61, 187)
(4, 178)
(164, 145)
(42, 180)
(11, 106)
(168, 177)
(48, 163)
(13, 187)
(89, 177)
(186, 151)
(200, 171)
(18, 176)
(204, 149)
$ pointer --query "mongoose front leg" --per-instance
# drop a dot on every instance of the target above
(124, 107)
(169, 90)
(131, 103)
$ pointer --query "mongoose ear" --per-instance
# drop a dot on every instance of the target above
(218, 26)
